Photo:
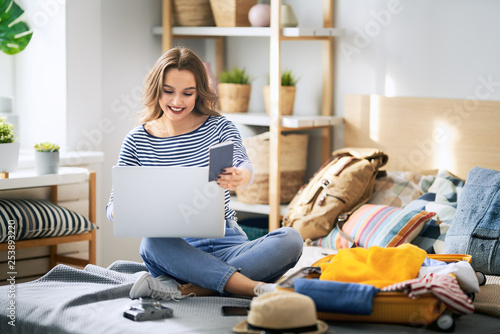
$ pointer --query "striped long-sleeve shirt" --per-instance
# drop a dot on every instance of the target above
(140, 148)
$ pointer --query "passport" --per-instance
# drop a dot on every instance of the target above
(220, 157)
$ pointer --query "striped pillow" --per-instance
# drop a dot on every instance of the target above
(378, 225)
(39, 219)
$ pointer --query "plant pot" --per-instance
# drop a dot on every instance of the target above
(287, 99)
(46, 162)
(234, 98)
(9, 153)
(231, 13)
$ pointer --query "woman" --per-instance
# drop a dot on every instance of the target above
(178, 126)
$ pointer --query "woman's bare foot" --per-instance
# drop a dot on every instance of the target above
(199, 291)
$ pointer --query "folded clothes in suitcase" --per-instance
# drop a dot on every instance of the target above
(362, 302)
(338, 297)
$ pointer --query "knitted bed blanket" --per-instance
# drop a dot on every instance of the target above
(69, 300)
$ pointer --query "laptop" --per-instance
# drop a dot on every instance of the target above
(166, 202)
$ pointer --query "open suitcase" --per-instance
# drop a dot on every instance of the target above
(392, 307)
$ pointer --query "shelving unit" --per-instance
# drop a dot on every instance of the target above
(276, 123)
(292, 123)
(27, 178)
(24, 179)
(304, 33)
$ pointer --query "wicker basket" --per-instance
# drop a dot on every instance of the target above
(192, 13)
(293, 158)
(234, 98)
(287, 98)
(232, 13)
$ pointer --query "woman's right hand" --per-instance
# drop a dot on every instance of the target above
(232, 178)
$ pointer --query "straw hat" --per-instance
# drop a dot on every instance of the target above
(282, 311)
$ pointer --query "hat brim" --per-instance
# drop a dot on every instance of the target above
(242, 327)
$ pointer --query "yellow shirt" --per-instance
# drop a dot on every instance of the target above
(376, 266)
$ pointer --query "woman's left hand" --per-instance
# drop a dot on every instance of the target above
(230, 178)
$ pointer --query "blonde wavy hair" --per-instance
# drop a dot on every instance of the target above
(180, 58)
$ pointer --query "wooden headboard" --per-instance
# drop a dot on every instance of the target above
(426, 133)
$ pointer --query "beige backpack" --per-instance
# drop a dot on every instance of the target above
(340, 185)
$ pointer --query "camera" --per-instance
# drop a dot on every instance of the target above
(148, 309)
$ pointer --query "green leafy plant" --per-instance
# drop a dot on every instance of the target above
(46, 147)
(14, 33)
(235, 76)
(287, 78)
(7, 133)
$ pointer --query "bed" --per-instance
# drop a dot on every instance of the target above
(436, 139)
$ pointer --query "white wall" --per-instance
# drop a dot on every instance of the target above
(40, 76)
(425, 48)
(7, 87)
(83, 75)
(57, 77)
(7, 74)
(128, 51)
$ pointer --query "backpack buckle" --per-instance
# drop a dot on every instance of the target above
(342, 217)
(325, 183)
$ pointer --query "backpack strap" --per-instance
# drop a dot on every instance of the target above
(340, 223)
(341, 220)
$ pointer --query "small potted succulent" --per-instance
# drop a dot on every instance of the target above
(46, 158)
(288, 90)
(234, 90)
(9, 148)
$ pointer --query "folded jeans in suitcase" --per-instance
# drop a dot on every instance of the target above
(330, 296)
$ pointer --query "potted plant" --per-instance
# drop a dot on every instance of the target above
(288, 90)
(234, 90)
(9, 148)
(46, 158)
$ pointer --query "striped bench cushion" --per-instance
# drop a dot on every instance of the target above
(31, 219)
(378, 225)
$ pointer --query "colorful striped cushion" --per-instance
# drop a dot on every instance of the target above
(378, 225)
(39, 219)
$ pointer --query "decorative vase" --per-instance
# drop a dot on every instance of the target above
(260, 15)
(288, 18)
(287, 99)
(46, 162)
(234, 98)
(9, 153)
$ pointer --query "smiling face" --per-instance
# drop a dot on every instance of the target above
(178, 96)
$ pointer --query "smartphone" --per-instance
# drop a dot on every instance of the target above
(234, 310)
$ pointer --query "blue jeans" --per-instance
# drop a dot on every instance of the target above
(210, 262)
